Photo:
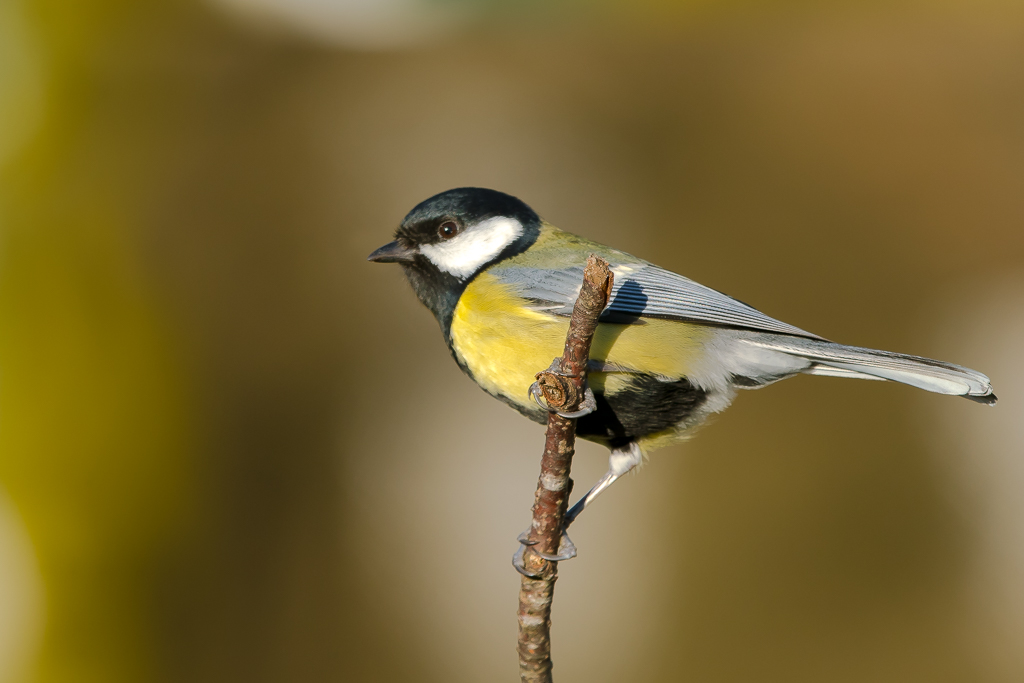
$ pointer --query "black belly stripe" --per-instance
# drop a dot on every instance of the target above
(646, 405)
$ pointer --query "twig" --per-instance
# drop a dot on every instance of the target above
(563, 390)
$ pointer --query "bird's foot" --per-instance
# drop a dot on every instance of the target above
(587, 406)
(566, 551)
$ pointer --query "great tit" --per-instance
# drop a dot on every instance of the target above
(668, 352)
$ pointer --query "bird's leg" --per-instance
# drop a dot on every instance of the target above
(620, 461)
(566, 548)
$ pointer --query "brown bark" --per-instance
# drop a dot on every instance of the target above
(563, 390)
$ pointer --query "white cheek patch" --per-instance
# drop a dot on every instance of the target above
(464, 254)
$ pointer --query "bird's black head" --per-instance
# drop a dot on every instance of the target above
(448, 239)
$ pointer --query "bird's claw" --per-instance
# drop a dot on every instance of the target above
(566, 551)
(538, 396)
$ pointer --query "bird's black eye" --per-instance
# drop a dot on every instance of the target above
(447, 230)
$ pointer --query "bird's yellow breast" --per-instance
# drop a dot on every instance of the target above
(505, 343)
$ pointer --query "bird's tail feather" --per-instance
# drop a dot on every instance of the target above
(837, 360)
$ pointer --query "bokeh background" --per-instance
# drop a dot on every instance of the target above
(233, 450)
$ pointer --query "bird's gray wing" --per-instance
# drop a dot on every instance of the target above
(643, 290)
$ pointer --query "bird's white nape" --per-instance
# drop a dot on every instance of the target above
(462, 255)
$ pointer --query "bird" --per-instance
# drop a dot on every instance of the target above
(667, 353)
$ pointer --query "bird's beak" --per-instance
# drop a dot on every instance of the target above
(392, 252)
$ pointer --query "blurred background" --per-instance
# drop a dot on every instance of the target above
(233, 450)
